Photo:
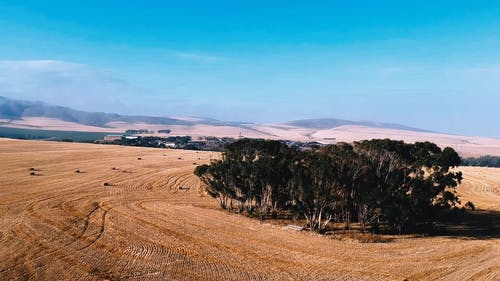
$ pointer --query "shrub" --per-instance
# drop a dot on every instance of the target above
(470, 205)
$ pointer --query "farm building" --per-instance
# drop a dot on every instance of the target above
(112, 137)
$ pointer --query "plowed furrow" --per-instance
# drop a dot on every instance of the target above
(154, 223)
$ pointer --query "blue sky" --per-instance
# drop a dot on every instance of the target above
(428, 64)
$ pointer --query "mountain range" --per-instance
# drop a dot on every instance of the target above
(11, 109)
(39, 115)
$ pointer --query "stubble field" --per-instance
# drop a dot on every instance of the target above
(153, 222)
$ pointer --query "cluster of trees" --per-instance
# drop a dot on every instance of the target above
(376, 183)
(483, 161)
(138, 131)
(153, 141)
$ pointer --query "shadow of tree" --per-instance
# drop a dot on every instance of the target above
(479, 224)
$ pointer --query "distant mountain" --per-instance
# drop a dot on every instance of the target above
(18, 109)
(329, 123)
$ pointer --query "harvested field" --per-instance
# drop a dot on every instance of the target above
(152, 222)
(482, 186)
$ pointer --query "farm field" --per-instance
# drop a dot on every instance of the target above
(152, 221)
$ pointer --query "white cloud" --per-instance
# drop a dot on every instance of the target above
(66, 83)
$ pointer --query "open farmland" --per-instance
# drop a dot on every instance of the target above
(153, 222)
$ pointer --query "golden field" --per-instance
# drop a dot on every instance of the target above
(153, 222)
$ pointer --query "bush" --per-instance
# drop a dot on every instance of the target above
(470, 205)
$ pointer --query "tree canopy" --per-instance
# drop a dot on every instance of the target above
(483, 161)
(374, 183)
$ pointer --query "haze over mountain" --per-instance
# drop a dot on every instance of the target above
(11, 109)
(328, 123)
(19, 109)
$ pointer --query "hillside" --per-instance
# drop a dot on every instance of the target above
(41, 116)
(329, 123)
(14, 110)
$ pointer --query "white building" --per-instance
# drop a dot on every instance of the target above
(113, 137)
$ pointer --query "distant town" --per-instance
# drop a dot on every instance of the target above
(149, 138)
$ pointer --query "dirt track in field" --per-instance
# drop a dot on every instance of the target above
(153, 223)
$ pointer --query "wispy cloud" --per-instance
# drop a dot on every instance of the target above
(483, 78)
(483, 70)
(389, 71)
(198, 57)
(67, 83)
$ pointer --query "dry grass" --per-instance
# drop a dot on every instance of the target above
(356, 236)
(62, 225)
